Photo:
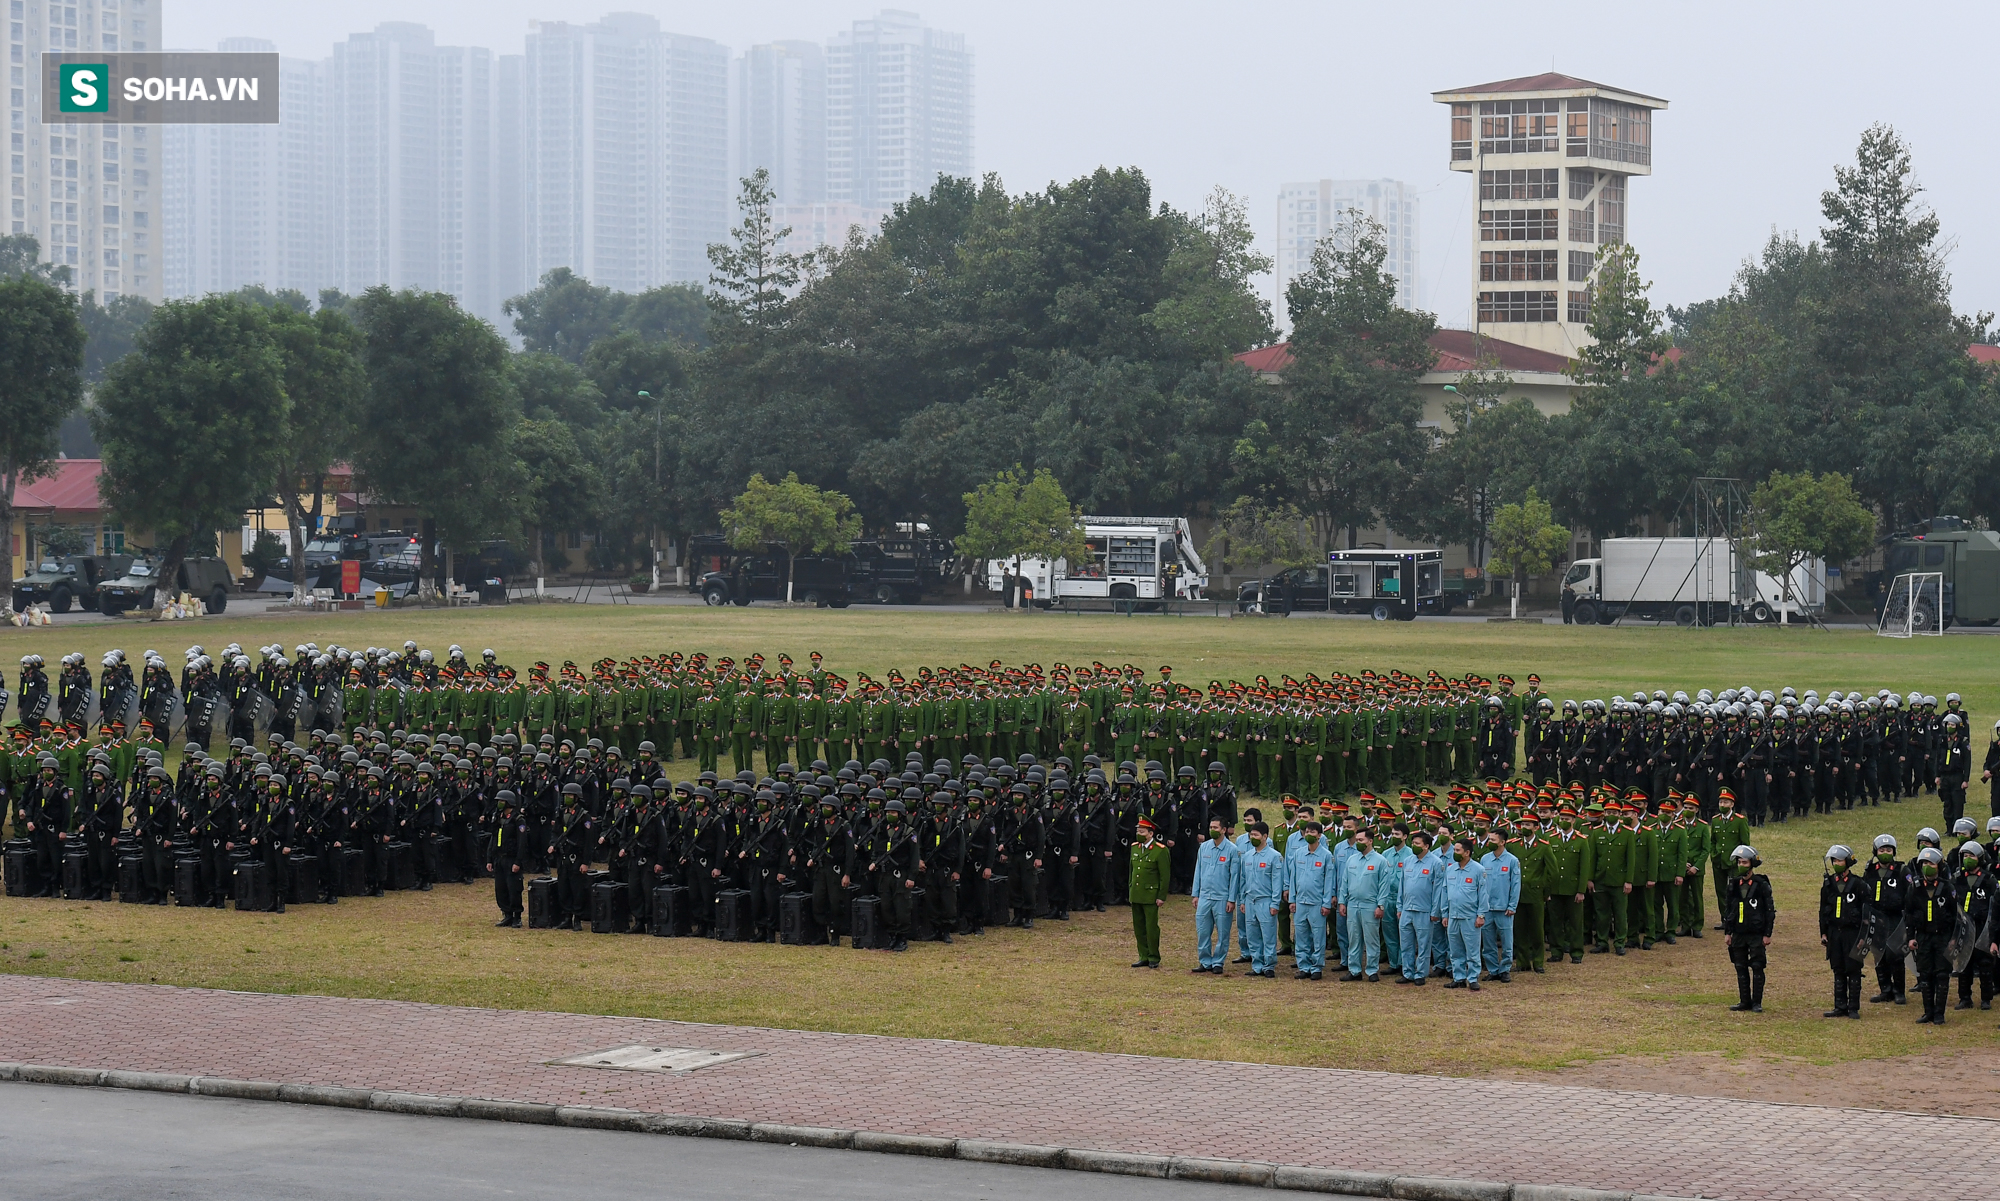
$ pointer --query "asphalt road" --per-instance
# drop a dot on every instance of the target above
(112, 1144)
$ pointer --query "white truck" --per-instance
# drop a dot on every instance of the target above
(1131, 558)
(1688, 581)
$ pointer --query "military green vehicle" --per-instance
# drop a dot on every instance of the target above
(59, 583)
(1969, 561)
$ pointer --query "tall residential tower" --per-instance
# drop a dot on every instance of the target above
(898, 109)
(1311, 210)
(88, 193)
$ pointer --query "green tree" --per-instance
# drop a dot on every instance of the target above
(674, 313)
(1491, 451)
(110, 330)
(1340, 438)
(21, 255)
(191, 422)
(561, 483)
(1526, 542)
(435, 419)
(1212, 308)
(321, 356)
(551, 388)
(752, 276)
(1015, 516)
(41, 380)
(627, 364)
(1250, 532)
(1801, 516)
(1628, 335)
(564, 313)
(792, 515)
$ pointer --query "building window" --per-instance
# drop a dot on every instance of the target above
(1517, 306)
(1535, 184)
(1579, 307)
(1607, 129)
(1580, 264)
(1461, 132)
(1582, 224)
(1520, 126)
(1504, 266)
(1518, 225)
(1581, 181)
(1611, 211)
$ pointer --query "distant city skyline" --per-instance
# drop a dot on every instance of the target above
(611, 147)
(1243, 97)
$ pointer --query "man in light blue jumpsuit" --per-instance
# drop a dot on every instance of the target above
(1503, 896)
(1397, 853)
(1214, 889)
(1440, 945)
(1260, 890)
(1420, 878)
(1242, 919)
(1461, 905)
(1364, 879)
(1343, 848)
(1309, 881)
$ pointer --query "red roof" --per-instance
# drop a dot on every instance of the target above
(1457, 350)
(1984, 353)
(1275, 357)
(1461, 350)
(1547, 82)
(71, 487)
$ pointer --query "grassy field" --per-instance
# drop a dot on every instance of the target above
(1064, 984)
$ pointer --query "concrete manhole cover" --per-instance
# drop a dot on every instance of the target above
(644, 1057)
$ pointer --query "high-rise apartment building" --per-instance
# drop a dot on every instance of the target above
(898, 109)
(250, 205)
(1314, 209)
(88, 193)
(625, 136)
(780, 119)
(1552, 156)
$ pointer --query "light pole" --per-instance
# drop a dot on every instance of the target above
(653, 533)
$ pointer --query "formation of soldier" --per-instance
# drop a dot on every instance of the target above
(1066, 786)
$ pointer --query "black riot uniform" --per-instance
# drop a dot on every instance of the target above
(1887, 885)
(1843, 914)
(1748, 918)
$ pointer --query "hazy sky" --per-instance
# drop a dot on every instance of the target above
(1765, 98)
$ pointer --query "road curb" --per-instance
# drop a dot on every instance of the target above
(1248, 1173)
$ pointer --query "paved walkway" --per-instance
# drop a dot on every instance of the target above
(1366, 1121)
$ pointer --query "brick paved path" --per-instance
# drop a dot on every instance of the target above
(1368, 1121)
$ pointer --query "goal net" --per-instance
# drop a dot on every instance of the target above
(1915, 605)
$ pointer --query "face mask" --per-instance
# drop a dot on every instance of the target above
(1930, 870)
(1885, 855)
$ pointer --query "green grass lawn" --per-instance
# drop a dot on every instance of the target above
(1064, 984)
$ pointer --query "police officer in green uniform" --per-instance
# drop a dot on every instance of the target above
(1146, 892)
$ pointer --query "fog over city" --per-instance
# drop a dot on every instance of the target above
(1765, 99)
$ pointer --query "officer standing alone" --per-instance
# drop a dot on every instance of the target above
(1748, 918)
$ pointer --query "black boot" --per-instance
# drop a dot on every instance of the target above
(1742, 991)
(1757, 990)
(1839, 1009)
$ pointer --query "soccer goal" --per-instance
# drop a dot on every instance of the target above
(1915, 605)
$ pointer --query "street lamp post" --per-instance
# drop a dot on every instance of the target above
(653, 533)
